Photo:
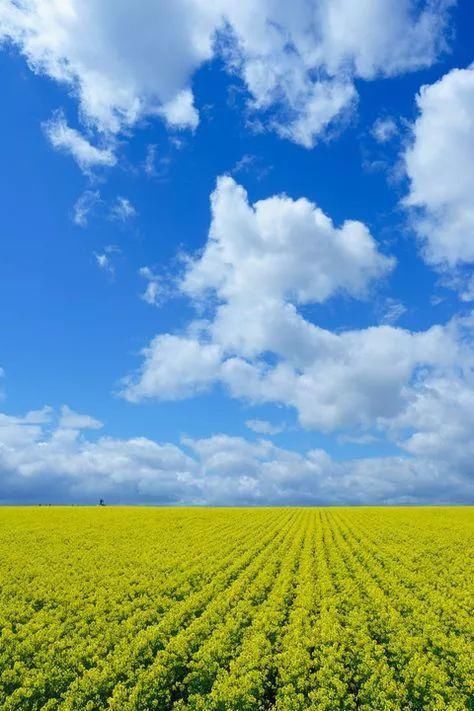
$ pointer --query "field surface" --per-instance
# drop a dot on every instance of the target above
(135, 608)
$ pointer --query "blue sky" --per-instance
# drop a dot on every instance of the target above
(335, 367)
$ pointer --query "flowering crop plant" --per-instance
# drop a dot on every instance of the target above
(221, 609)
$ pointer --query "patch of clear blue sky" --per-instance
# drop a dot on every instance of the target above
(68, 333)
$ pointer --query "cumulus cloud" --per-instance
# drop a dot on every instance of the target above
(71, 141)
(264, 427)
(125, 61)
(355, 378)
(299, 63)
(440, 169)
(261, 264)
(180, 112)
(438, 421)
(174, 367)
(467, 292)
(19, 431)
(281, 249)
(44, 459)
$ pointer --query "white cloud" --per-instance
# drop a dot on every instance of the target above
(122, 60)
(44, 462)
(36, 417)
(17, 432)
(104, 263)
(320, 106)
(391, 311)
(105, 260)
(382, 38)
(281, 249)
(180, 112)
(264, 427)
(233, 471)
(467, 293)
(125, 61)
(440, 168)
(84, 206)
(299, 63)
(360, 439)
(154, 290)
(174, 367)
(260, 265)
(149, 164)
(73, 142)
(355, 378)
(74, 421)
(31, 419)
(57, 463)
(122, 210)
(244, 164)
(384, 129)
(438, 420)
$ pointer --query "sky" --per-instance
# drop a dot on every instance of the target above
(236, 250)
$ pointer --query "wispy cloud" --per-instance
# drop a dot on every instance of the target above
(391, 311)
(122, 210)
(154, 291)
(84, 206)
(384, 129)
(69, 140)
(104, 260)
(149, 164)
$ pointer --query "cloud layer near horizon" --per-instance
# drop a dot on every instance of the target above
(49, 458)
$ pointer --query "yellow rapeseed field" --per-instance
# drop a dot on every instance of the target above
(284, 608)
